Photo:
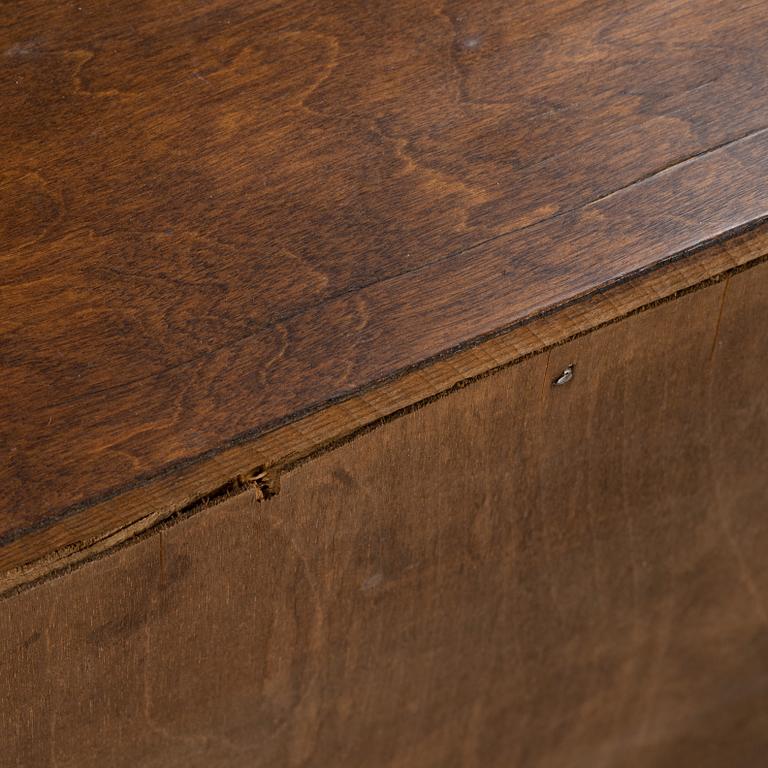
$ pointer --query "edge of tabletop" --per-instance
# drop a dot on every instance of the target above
(256, 465)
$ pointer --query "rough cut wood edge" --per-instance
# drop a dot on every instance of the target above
(258, 464)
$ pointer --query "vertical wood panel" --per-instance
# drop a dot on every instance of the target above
(515, 574)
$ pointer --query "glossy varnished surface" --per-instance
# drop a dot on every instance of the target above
(217, 216)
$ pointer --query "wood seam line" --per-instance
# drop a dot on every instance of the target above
(719, 319)
(295, 421)
(725, 145)
(262, 475)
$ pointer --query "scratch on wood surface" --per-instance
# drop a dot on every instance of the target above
(727, 282)
(544, 386)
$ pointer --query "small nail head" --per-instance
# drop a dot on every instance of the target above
(564, 377)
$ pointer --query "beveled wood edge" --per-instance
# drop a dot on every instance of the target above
(257, 464)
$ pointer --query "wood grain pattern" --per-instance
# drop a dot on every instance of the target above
(218, 217)
(102, 526)
(517, 574)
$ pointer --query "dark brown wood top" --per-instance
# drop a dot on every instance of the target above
(216, 217)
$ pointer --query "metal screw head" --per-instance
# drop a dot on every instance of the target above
(564, 377)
